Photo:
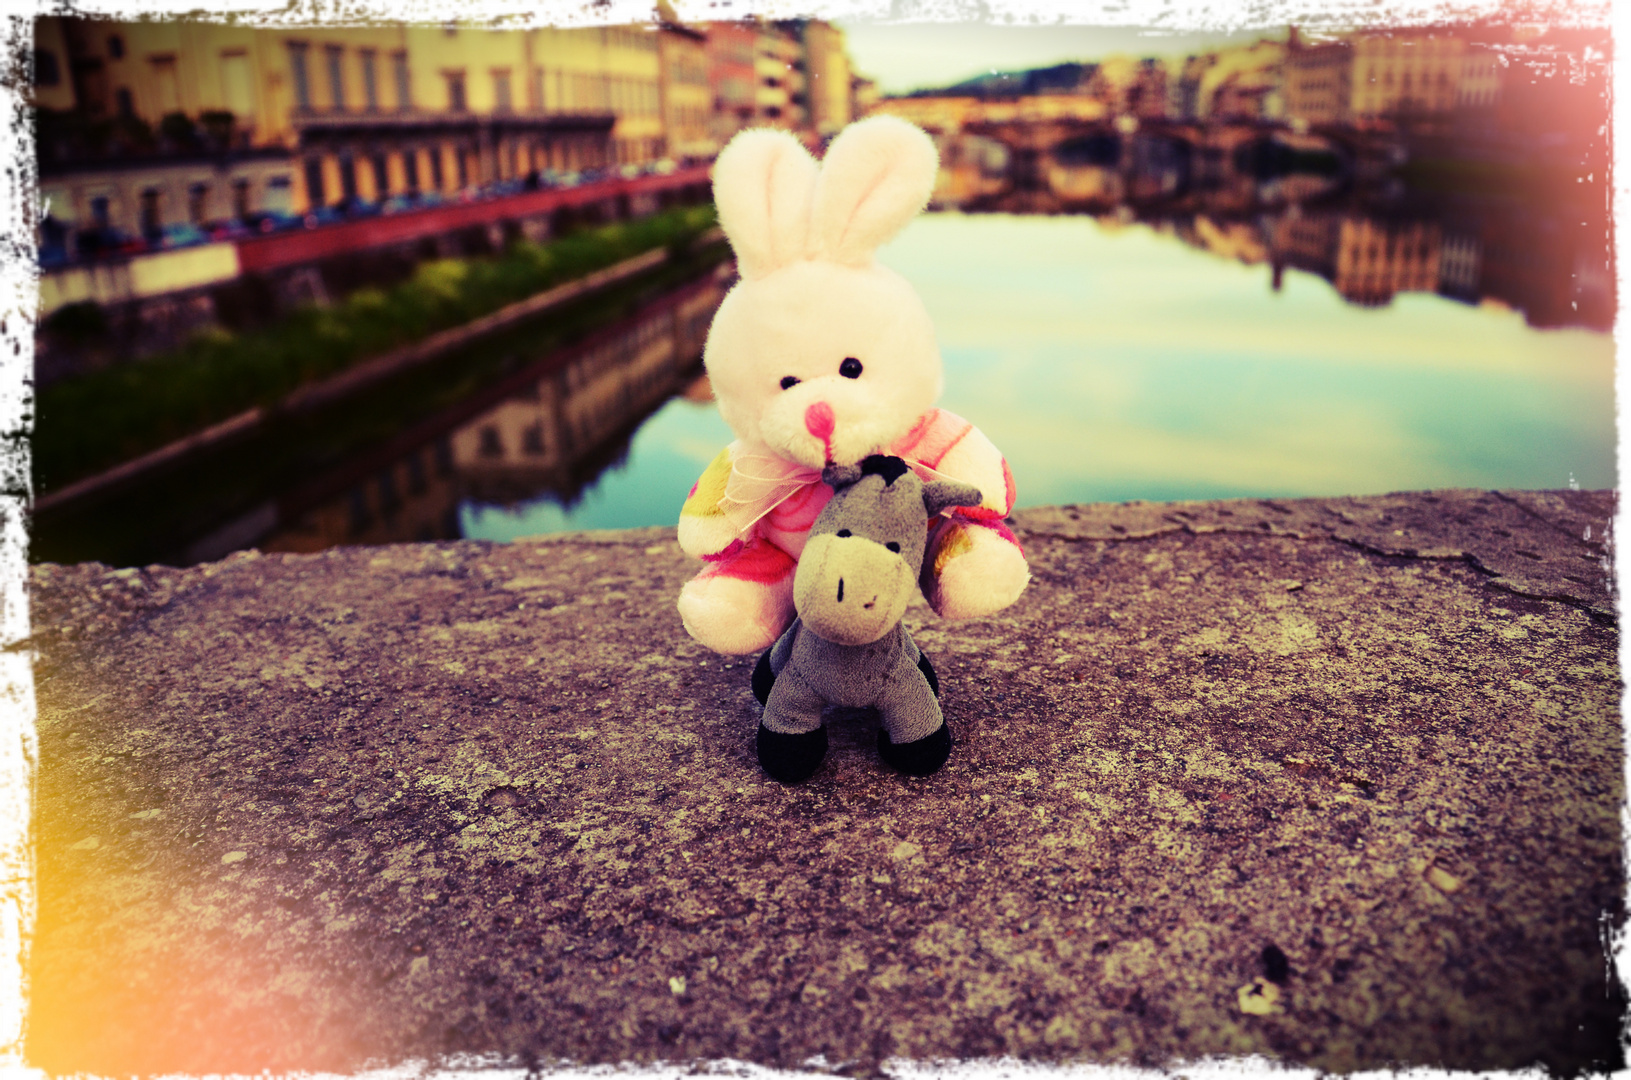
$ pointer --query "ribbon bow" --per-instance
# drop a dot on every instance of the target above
(759, 483)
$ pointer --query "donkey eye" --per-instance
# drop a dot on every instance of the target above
(892, 546)
(850, 368)
(788, 382)
(845, 532)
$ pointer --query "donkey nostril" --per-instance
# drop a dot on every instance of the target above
(840, 590)
(818, 420)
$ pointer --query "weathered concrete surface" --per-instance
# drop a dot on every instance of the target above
(303, 811)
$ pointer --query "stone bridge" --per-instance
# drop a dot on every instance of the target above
(1160, 157)
(1336, 781)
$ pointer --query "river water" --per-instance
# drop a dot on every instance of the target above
(1114, 360)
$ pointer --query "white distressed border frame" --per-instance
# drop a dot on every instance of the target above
(19, 292)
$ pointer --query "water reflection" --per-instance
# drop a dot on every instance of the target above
(545, 434)
(1532, 235)
(1207, 358)
(1111, 361)
(1259, 316)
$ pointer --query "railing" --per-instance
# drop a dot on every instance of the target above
(122, 278)
(293, 248)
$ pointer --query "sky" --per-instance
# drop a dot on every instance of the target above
(909, 56)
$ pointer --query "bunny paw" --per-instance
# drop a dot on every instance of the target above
(975, 570)
(740, 604)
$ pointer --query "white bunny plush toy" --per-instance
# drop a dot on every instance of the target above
(821, 357)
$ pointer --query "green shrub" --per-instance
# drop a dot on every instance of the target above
(91, 422)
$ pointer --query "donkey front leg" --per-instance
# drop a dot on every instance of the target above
(791, 741)
(914, 738)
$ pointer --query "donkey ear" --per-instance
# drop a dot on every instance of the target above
(939, 494)
(877, 175)
(762, 186)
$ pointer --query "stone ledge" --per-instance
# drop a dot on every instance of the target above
(1503, 533)
(1325, 780)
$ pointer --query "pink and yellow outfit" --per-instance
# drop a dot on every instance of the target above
(749, 514)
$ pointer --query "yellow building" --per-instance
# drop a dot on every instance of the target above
(147, 124)
(1318, 82)
(603, 70)
(1383, 75)
(778, 63)
(157, 123)
(687, 98)
(828, 71)
(1375, 259)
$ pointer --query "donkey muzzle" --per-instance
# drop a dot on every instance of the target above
(851, 590)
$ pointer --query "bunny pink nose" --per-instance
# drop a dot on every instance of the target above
(818, 419)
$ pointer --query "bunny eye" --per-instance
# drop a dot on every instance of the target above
(850, 368)
(788, 382)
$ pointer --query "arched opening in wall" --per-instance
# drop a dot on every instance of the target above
(1101, 148)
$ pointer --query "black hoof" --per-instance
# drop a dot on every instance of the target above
(764, 678)
(791, 758)
(927, 668)
(919, 757)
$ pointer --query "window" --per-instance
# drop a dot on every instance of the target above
(100, 215)
(165, 85)
(370, 88)
(46, 72)
(314, 183)
(437, 180)
(279, 194)
(197, 202)
(150, 220)
(116, 46)
(240, 197)
(382, 177)
(501, 91)
(348, 178)
(410, 170)
(299, 77)
(336, 77)
(236, 85)
(399, 68)
(123, 101)
(455, 91)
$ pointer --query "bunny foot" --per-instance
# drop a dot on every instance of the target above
(975, 569)
(740, 604)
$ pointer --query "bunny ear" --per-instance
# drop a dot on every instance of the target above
(762, 186)
(877, 176)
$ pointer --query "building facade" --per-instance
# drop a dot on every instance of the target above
(146, 126)
(827, 72)
(1375, 77)
(687, 98)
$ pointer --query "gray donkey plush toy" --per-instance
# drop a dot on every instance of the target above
(847, 647)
